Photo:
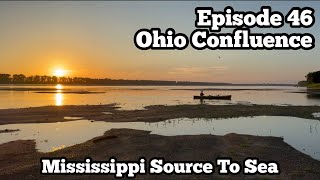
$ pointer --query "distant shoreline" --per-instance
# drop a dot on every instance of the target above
(49, 89)
(21, 79)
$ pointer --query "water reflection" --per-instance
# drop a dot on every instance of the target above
(302, 134)
(59, 87)
(59, 99)
(135, 97)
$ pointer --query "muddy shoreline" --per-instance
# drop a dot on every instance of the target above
(20, 160)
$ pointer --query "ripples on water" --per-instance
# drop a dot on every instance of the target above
(137, 97)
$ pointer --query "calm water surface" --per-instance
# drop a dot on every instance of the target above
(137, 97)
(302, 134)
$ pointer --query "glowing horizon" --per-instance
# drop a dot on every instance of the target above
(95, 40)
(59, 72)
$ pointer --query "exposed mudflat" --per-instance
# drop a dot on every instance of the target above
(150, 114)
(20, 159)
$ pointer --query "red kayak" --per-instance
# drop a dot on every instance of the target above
(226, 97)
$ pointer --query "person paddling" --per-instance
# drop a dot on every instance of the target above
(201, 94)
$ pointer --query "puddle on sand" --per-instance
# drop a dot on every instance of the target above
(302, 134)
(72, 118)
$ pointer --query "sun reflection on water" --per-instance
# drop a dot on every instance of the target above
(59, 87)
(59, 99)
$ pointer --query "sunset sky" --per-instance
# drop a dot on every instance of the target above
(95, 39)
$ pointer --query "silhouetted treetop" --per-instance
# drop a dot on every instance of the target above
(36, 79)
(313, 77)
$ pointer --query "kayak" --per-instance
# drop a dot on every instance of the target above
(227, 97)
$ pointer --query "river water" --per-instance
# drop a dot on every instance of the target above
(137, 97)
(301, 134)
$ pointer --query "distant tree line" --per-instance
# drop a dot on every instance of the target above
(22, 79)
(313, 77)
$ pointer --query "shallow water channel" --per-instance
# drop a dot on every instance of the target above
(302, 134)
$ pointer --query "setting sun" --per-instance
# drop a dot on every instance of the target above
(59, 72)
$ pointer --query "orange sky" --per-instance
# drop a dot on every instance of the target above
(95, 39)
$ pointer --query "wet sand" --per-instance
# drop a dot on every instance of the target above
(20, 160)
(150, 114)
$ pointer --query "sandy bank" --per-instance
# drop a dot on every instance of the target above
(151, 114)
(20, 159)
